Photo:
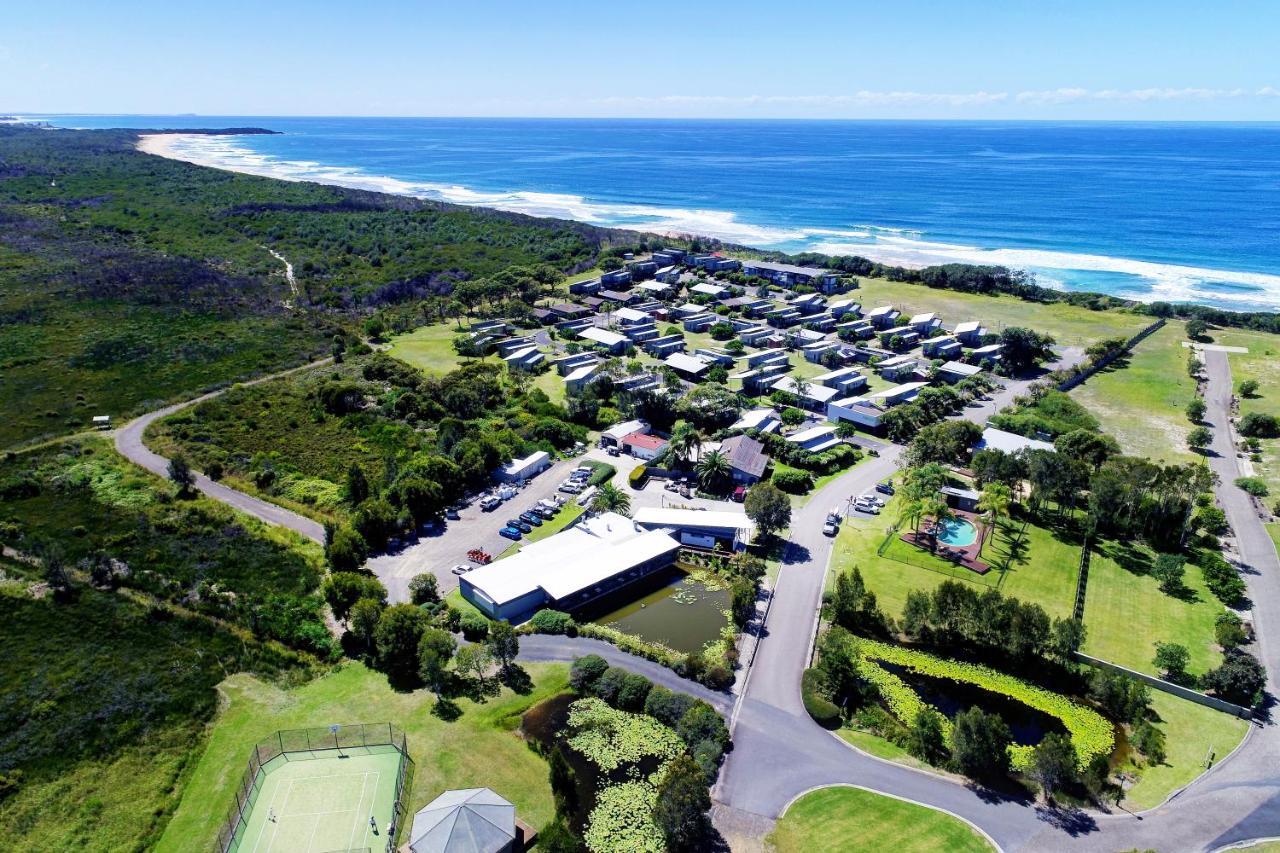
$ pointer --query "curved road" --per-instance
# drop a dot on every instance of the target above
(779, 752)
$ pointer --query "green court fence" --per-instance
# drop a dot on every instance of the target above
(302, 744)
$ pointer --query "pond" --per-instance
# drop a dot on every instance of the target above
(1027, 725)
(669, 607)
(958, 532)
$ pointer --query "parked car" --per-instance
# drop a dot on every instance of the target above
(613, 451)
(489, 503)
(531, 517)
(544, 513)
(522, 526)
(452, 514)
(871, 497)
(510, 533)
(740, 494)
(460, 570)
(867, 507)
(829, 529)
(570, 488)
(885, 488)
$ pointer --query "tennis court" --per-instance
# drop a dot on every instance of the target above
(321, 801)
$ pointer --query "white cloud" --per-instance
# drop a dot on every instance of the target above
(1074, 95)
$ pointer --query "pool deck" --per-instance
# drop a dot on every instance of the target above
(961, 555)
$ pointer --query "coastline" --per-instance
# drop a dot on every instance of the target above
(1070, 271)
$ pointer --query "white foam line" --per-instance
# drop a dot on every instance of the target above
(905, 247)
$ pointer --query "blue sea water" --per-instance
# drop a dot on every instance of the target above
(1178, 212)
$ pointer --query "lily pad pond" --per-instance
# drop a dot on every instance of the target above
(671, 607)
(1027, 725)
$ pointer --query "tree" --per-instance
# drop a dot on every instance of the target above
(341, 590)
(925, 739)
(1171, 659)
(685, 442)
(474, 662)
(714, 471)
(995, 501)
(1053, 763)
(1168, 570)
(357, 488)
(585, 672)
(980, 744)
(1228, 630)
(363, 620)
(503, 643)
(435, 650)
(680, 809)
(1196, 410)
(1239, 679)
(1068, 638)
(346, 549)
(424, 589)
(1249, 388)
(1197, 328)
(54, 562)
(1023, 349)
(937, 508)
(1086, 446)
(609, 498)
(1259, 425)
(768, 507)
(1199, 438)
(181, 474)
(397, 637)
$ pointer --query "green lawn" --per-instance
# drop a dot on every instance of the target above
(1190, 732)
(1070, 325)
(563, 519)
(850, 819)
(478, 749)
(1143, 404)
(1041, 568)
(430, 348)
(1258, 364)
(1126, 613)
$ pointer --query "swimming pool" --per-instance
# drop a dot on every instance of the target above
(958, 531)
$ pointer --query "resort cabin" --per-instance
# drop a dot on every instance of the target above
(700, 528)
(815, 439)
(962, 499)
(801, 337)
(571, 568)
(668, 257)
(897, 367)
(715, 263)
(569, 310)
(956, 371)
(688, 309)
(846, 380)
(524, 469)
(689, 367)
(813, 397)
(768, 356)
(706, 288)
(655, 288)
(816, 352)
(883, 317)
(700, 322)
(613, 436)
(760, 420)
(746, 457)
(989, 354)
(661, 347)
(577, 380)
(589, 287)
(844, 307)
(905, 336)
(641, 270)
(820, 324)
(789, 275)
(631, 317)
(643, 445)
(1009, 442)
(612, 279)
(611, 341)
(925, 323)
(525, 359)
(899, 394)
(858, 330)
(668, 275)
(753, 336)
(943, 346)
(970, 333)
(856, 410)
(715, 356)
(637, 383)
(620, 297)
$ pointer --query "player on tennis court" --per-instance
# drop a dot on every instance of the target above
(373, 824)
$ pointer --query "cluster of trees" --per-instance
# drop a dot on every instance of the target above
(683, 799)
(931, 405)
(1240, 678)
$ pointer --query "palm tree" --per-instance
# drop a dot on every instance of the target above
(912, 512)
(609, 498)
(714, 470)
(936, 508)
(685, 442)
(995, 501)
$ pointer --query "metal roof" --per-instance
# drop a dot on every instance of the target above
(473, 820)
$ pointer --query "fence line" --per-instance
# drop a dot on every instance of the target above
(1082, 580)
(287, 741)
(1076, 379)
(1169, 687)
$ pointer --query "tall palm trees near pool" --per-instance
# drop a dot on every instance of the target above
(994, 502)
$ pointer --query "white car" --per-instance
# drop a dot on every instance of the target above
(570, 488)
(873, 499)
(866, 507)
(460, 569)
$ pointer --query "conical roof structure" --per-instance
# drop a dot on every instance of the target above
(472, 820)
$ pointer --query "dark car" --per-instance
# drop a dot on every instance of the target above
(510, 533)
(522, 526)
(546, 512)
(885, 488)
(532, 518)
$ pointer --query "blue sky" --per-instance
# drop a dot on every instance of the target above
(1039, 59)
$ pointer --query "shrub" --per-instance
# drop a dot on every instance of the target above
(702, 723)
(586, 671)
(634, 691)
(823, 710)
(792, 481)
(1240, 679)
(1221, 577)
(609, 686)
(667, 706)
(424, 589)
(474, 626)
(1255, 486)
(552, 622)
(1259, 425)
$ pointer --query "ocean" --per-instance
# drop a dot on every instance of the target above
(1175, 212)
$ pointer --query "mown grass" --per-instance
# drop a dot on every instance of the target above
(481, 748)
(430, 348)
(851, 819)
(1142, 401)
(1029, 562)
(1126, 613)
(103, 703)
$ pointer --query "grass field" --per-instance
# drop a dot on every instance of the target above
(1042, 568)
(1126, 613)
(563, 519)
(1143, 403)
(478, 749)
(314, 802)
(1069, 325)
(1258, 364)
(850, 819)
